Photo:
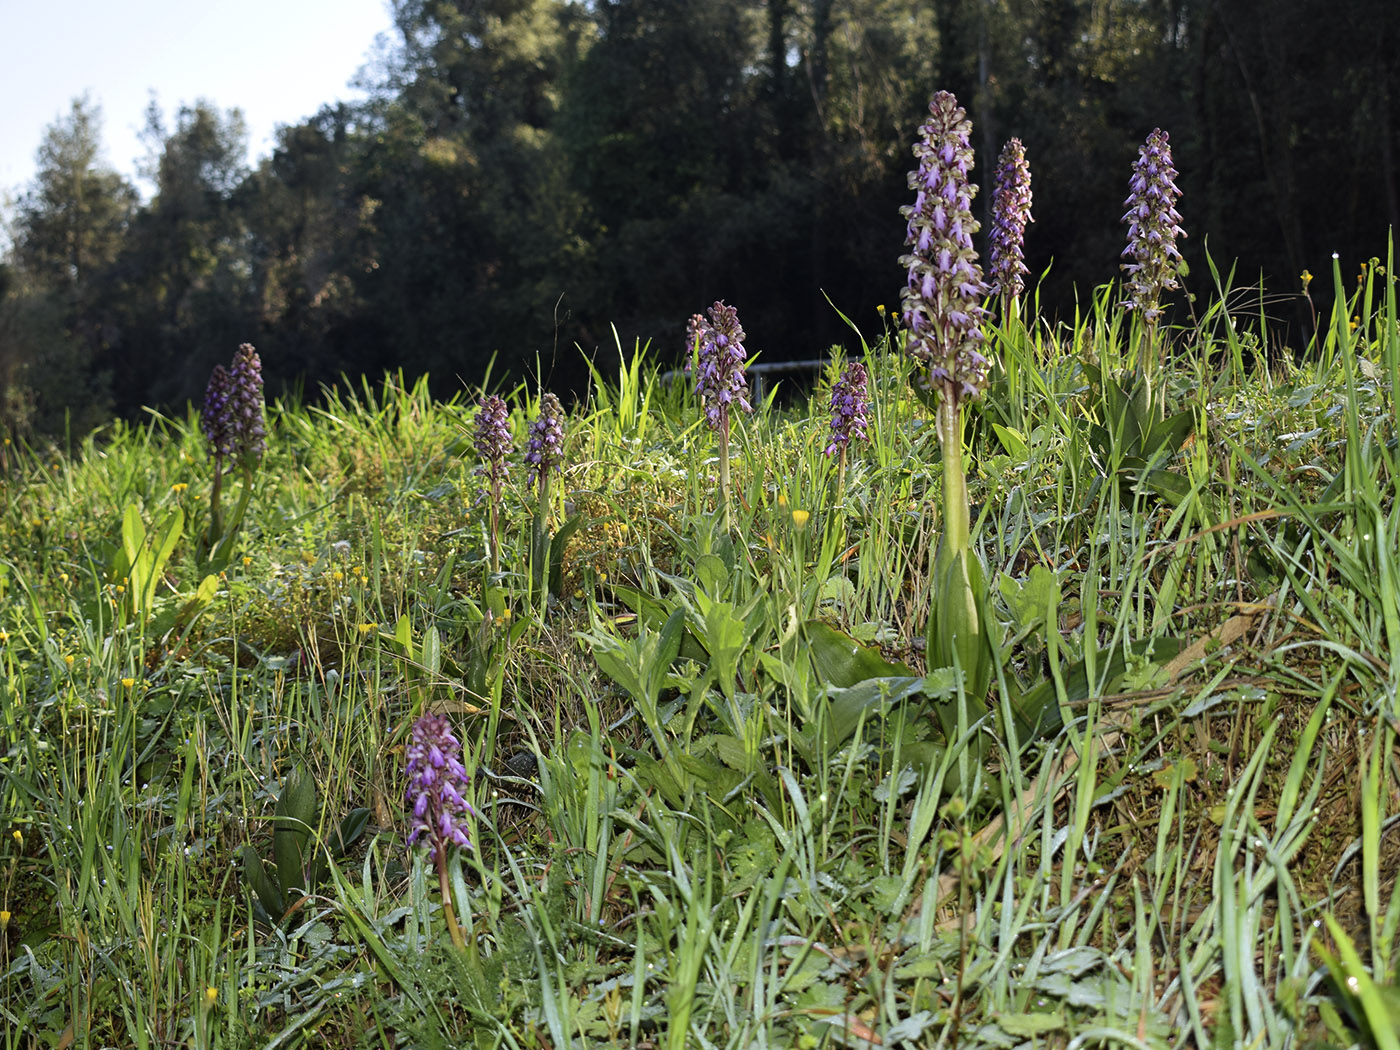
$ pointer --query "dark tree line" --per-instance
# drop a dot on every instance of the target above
(529, 173)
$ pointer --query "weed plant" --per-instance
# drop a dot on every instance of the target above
(717, 797)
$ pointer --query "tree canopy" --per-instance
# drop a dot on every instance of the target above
(529, 173)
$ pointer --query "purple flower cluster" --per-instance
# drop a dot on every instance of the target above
(231, 417)
(437, 783)
(246, 401)
(1011, 210)
(546, 448)
(493, 442)
(850, 405)
(1153, 227)
(720, 380)
(943, 296)
(214, 418)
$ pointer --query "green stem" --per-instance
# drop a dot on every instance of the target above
(447, 911)
(216, 518)
(539, 543)
(957, 523)
(724, 473)
(1149, 358)
(493, 539)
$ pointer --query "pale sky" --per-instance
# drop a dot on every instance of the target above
(278, 61)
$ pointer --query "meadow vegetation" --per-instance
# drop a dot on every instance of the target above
(725, 788)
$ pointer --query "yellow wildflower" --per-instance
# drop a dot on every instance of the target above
(1306, 278)
(179, 486)
(800, 517)
(128, 682)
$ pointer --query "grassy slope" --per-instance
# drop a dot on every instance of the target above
(689, 851)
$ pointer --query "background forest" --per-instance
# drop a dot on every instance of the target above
(527, 173)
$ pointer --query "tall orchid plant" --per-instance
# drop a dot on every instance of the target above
(1153, 227)
(850, 410)
(544, 456)
(943, 315)
(436, 790)
(717, 343)
(1011, 210)
(232, 422)
(492, 443)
